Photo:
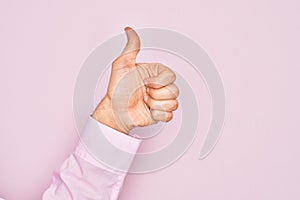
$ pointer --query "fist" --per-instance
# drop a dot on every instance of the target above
(138, 94)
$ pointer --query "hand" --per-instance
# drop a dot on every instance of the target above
(138, 94)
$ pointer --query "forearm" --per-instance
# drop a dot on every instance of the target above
(83, 177)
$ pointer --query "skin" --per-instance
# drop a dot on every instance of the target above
(138, 94)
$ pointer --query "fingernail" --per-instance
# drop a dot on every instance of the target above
(147, 90)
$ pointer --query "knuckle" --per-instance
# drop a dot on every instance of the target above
(173, 75)
(174, 90)
(159, 64)
(175, 105)
(169, 117)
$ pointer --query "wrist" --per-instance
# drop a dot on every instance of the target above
(105, 114)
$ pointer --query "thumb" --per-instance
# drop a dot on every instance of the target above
(132, 46)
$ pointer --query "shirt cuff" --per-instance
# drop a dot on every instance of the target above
(102, 145)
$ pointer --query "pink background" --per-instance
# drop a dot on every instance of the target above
(255, 45)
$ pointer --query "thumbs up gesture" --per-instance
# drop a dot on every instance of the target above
(138, 94)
